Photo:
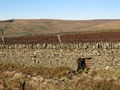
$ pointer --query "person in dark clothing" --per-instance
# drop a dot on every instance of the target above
(81, 64)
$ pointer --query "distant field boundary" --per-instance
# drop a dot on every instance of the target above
(9, 35)
(64, 38)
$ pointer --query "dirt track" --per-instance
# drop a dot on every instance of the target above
(66, 38)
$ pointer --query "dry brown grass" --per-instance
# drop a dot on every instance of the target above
(12, 76)
(35, 71)
(27, 27)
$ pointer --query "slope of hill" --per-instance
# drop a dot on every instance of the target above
(17, 27)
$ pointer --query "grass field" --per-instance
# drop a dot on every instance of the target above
(22, 77)
(43, 26)
(14, 77)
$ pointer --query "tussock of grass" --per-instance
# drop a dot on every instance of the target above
(106, 74)
(102, 79)
(35, 71)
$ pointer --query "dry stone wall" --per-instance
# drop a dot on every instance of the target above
(65, 55)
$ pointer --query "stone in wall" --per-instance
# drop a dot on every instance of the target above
(65, 55)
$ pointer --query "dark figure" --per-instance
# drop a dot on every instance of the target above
(22, 85)
(81, 64)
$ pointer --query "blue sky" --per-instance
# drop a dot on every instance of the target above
(60, 9)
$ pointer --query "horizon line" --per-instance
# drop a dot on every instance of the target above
(55, 19)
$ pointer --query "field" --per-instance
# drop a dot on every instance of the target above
(15, 77)
(54, 67)
(14, 28)
(65, 38)
(42, 54)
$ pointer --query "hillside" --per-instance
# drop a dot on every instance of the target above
(17, 27)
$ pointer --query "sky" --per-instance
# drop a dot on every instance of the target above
(60, 9)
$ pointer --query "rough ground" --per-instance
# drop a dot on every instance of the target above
(14, 77)
(65, 55)
(37, 67)
(22, 67)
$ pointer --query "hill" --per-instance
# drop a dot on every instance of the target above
(19, 27)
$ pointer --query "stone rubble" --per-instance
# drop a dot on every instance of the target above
(64, 55)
